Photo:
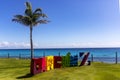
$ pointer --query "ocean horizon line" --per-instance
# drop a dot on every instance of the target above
(65, 48)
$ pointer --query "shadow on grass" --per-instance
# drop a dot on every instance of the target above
(25, 76)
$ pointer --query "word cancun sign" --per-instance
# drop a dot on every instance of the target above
(47, 63)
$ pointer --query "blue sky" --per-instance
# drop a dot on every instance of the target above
(74, 23)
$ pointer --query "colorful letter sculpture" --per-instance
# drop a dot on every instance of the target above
(50, 62)
(57, 62)
(66, 60)
(74, 60)
(39, 65)
(85, 57)
(69, 60)
(43, 64)
(54, 62)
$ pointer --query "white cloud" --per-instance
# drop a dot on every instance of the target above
(13, 45)
(6, 44)
(3, 44)
(96, 44)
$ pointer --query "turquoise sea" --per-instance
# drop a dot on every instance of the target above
(100, 54)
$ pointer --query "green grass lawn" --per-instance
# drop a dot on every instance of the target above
(15, 69)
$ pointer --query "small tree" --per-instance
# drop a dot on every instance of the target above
(31, 19)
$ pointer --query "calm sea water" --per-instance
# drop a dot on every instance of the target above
(99, 53)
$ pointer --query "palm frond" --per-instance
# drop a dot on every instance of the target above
(38, 10)
(16, 20)
(38, 16)
(18, 16)
(40, 22)
(28, 12)
(25, 20)
(44, 15)
(28, 5)
(19, 21)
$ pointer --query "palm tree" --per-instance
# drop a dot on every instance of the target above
(31, 19)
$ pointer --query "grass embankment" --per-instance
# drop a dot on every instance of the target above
(13, 69)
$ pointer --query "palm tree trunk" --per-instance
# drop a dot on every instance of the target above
(31, 51)
(31, 43)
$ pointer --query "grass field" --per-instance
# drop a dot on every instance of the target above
(15, 69)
